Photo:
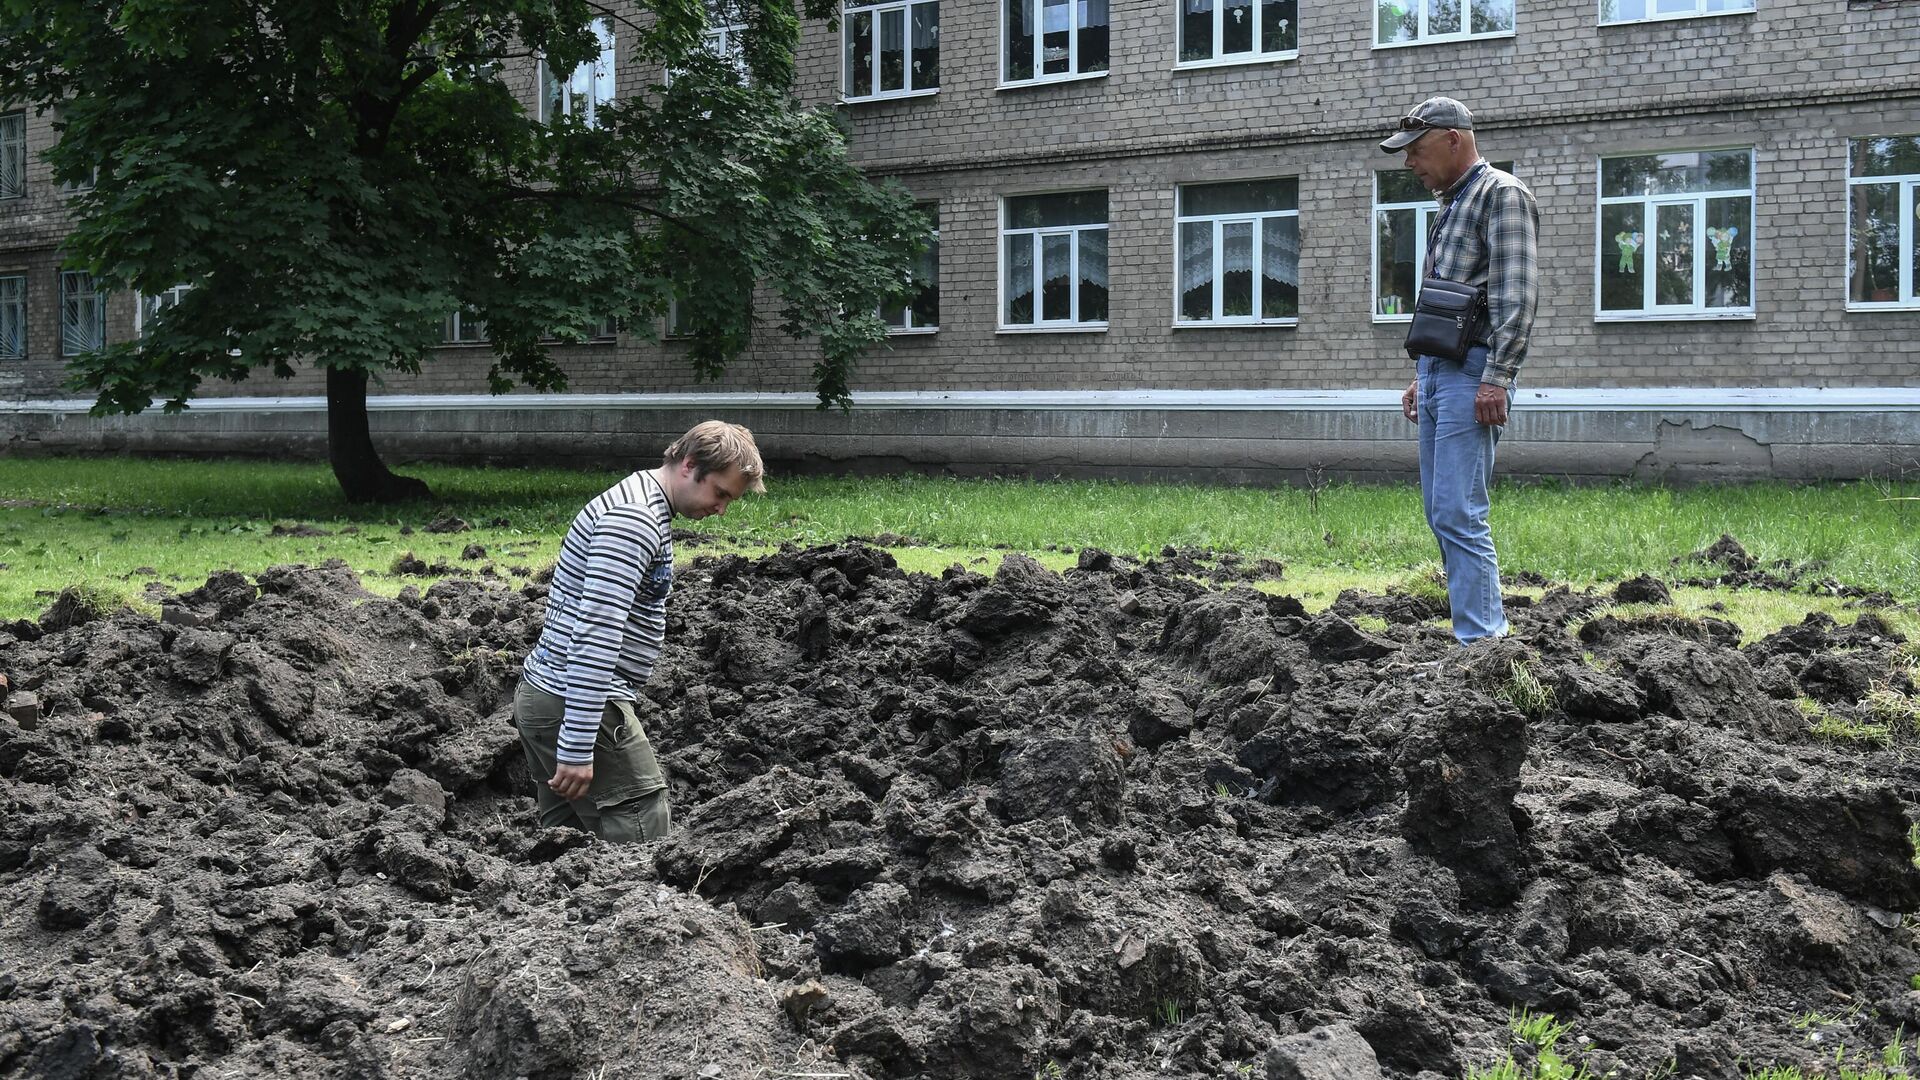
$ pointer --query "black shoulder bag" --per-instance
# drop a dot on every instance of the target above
(1446, 319)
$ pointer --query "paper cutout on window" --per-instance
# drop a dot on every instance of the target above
(1629, 244)
(1396, 22)
(1722, 246)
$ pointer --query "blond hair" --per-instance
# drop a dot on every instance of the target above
(715, 444)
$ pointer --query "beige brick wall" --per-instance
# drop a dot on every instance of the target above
(1794, 80)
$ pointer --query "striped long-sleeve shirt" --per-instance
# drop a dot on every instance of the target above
(606, 608)
(1486, 237)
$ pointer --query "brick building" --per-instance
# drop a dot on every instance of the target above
(1169, 246)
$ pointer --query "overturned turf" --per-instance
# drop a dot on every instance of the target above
(1107, 823)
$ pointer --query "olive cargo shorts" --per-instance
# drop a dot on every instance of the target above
(627, 801)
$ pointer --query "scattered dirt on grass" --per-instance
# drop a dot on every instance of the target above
(1728, 565)
(1107, 820)
(1216, 567)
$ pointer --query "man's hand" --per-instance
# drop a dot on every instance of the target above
(570, 782)
(1409, 401)
(1490, 405)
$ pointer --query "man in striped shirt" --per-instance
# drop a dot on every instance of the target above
(592, 764)
(1484, 235)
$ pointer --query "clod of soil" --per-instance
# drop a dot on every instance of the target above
(1106, 823)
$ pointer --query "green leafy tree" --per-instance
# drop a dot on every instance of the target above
(334, 177)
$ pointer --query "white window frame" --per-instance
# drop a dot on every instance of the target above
(13, 155)
(721, 39)
(13, 316)
(1036, 236)
(1073, 73)
(724, 42)
(457, 324)
(77, 304)
(876, 9)
(907, 326)
(670, 328)
(1257, 56)
(1698, 200)
(722, 35)
(603, 330)
(1423, 210)
(1426, 38)
(75, 187)
(150, 305)
(1697, 9)
(1908, 185)
(1258, 220)
(600, 84)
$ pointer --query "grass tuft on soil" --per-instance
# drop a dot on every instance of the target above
(1536, 1052)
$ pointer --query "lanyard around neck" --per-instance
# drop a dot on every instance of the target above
(1460, 190)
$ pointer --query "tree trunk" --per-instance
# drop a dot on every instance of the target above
(363, 476)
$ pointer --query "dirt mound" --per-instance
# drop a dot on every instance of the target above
(969, 826)
(1725, 563)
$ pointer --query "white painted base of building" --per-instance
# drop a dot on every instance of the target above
(1677, 434)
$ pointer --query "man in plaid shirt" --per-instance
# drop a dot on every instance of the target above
(1484, 235)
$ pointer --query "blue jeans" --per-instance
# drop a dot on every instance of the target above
(1456, 465)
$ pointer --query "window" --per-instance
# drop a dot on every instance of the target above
(589, 332)
(1883, 223)
(13, 317)
(92, 177)
(893, 49)
(151, 306)
(1676, 235)
(581, 93)
(726, 32)
(83, 314)
(1239, 252)
(679, 324)
(1054, 260)
(463, 328)
(1420, 22)
(1627, 11)
(922, 312)
(1054, 39)
(1403, 213)
(13, 155)
(724, 37)
(1227, 31)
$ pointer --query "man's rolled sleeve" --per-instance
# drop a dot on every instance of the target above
(1512, 281)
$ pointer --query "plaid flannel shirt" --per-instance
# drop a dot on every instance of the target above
(1487, 239)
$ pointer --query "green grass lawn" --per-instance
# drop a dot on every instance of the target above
(117, 523)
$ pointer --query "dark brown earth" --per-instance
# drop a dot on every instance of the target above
(1108, 823)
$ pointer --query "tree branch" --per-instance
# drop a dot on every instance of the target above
(626, 201)
(413, 81)
(430, 58)
(616, 16)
